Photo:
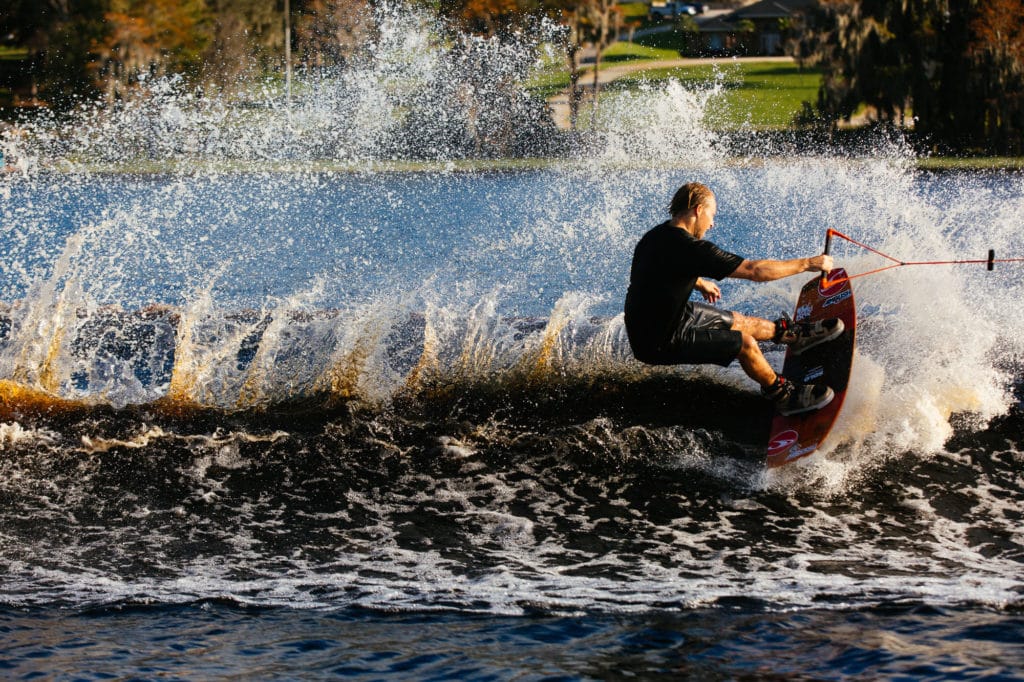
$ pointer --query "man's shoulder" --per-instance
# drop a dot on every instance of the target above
(660, 228)
(667, 232)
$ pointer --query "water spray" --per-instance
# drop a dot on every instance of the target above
(989, 262)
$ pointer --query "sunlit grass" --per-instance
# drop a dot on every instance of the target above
(13, 53)
(759, 95)
(753, 94)
(550, 75)
(633, 10)
(623, 51)
(972, 163)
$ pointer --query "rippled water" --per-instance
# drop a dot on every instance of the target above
(737, 641)
(282, 418)
(473, 448)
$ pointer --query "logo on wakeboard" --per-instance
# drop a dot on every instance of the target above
(782, 441)
(814, 373)
(838, 298)
(837, 274)
(801, 452)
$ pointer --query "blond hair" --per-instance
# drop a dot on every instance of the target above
(689, 196)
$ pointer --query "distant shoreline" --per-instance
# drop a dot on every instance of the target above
(175, 167)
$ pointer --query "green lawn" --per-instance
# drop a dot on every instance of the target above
(625, 52)
(9, 55)
(971, 163)
(671, 41)
(13, 52)
(759, 95)
(550, 77)
(633, 10)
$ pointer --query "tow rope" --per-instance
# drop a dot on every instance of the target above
(897, 263)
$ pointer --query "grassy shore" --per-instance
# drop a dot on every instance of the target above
(971, 163)
(10, 57)
(13, 53)
(192, 166)
(749, 95)
(755, 95)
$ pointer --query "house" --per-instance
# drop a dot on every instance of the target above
(757, 29)
(773, 20)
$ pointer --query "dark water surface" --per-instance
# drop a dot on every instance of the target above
(380, 424)
(562, 544)
(738, 640)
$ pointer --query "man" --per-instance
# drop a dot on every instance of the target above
(665, 327)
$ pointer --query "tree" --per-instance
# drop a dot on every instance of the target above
(148, 38)
(958, 64)
(330, 32)
(604, 19)
(489, 17)
(245, 38)
(571, 17)
(874, 52)
(746, 30)
(58, 35)
(586, 21)
(126, 54)
(688, 26)
(997, 47)
(486, 17)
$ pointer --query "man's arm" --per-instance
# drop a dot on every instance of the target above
(709, 290)
(769, 270)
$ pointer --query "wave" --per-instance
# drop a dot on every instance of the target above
(615, 496)
(252, 358)
(412, 391)
(570, 373)
(517, 372)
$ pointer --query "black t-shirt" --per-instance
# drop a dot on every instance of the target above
(666, 264)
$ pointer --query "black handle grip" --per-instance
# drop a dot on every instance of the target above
(828, 247)
(991, 259)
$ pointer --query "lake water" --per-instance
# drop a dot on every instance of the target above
(279, 420)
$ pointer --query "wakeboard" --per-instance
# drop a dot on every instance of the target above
(800, 435)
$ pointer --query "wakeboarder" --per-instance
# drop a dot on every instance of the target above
(666, 328)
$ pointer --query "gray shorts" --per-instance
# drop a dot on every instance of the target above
(703, 336)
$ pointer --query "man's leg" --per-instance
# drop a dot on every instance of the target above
(758, 327)
(789, 398)
(751, 358)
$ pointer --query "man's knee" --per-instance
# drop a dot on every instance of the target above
(755, 327)
(749, 346)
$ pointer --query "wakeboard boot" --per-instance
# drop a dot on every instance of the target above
(793, 398)
(801, 336)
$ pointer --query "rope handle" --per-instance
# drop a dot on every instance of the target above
(897, 263)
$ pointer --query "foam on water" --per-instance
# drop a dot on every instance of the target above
(934, 340)
(519, 548)
(937, 335)
(435, 321)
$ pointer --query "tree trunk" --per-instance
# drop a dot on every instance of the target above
(572, 55)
